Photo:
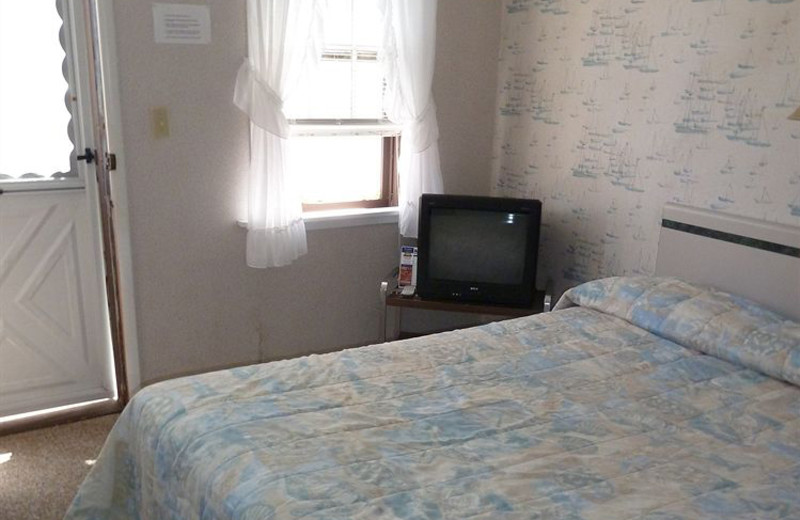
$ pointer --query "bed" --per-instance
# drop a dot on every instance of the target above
(639, 397)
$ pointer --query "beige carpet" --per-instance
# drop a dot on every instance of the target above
(46, 467)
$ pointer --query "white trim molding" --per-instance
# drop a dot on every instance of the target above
(343, 218)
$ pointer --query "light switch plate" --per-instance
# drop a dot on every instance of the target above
(160, 121)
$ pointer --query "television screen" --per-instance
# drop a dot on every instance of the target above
(477, 246)
(478, 249)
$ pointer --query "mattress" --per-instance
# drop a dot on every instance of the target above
(638, 398)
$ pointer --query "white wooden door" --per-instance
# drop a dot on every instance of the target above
(54, 347)
(55, 336)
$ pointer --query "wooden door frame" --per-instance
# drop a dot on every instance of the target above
(114, 221)
(118, 192)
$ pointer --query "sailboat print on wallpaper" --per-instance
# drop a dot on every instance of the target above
(744, 121)
(794, 98)
(727, 197)
(542, 35)
(722, 202)
(531, 169)
(727, 90)
(542, 108)
(783, 28)
(749, 31)
(728, 169)
(636, 185)
(590, 101)
(570, 85)
(697, 112)
(638, 51)
(674, 21)
(612, 265)
(588, 165)
(702, 45)
(659, 149)
(558, 191)
(622, 167)
(643, 267)
(744, 69)
(760, 136)
(582, 253)
(623, 124)
(611, 235)
(787, 58)
(667, 180)
(685, 174)
(639, 235)
(764, 198)
(651, 91)
(595, 187)
(653, 118)
(626, 93)
(794, 206)
(650, 66)
(601, 52)
(725, 200)
(784, 101)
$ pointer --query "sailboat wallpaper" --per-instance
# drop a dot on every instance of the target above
(607, 109)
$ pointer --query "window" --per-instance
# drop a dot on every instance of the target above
(342, 147)
(35, 118)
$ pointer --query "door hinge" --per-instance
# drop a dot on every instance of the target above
(111, 162)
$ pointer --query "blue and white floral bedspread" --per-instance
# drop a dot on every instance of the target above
(643, 398)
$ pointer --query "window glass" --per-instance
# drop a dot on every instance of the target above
(34, 118)
(338, 168)
(348, 84)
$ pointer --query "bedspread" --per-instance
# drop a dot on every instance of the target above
(620, 407)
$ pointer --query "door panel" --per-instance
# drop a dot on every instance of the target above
(55, 333)
(54, 340)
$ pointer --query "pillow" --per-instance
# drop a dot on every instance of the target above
(704, 319)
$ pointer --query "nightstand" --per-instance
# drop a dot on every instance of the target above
(390, 296)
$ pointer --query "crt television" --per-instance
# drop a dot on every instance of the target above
(478, 249)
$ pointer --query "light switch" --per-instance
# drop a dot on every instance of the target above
(795, 116)
(160, 121)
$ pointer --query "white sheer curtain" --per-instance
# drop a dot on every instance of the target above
(282, 35)
(408, 54)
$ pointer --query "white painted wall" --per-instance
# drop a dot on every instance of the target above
(198, 306)
(464, 87)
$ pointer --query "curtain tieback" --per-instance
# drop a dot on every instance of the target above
(423, 130)
(260, 102)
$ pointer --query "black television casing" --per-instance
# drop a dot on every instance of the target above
(435, 278)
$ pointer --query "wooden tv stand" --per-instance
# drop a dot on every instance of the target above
(392, 298)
